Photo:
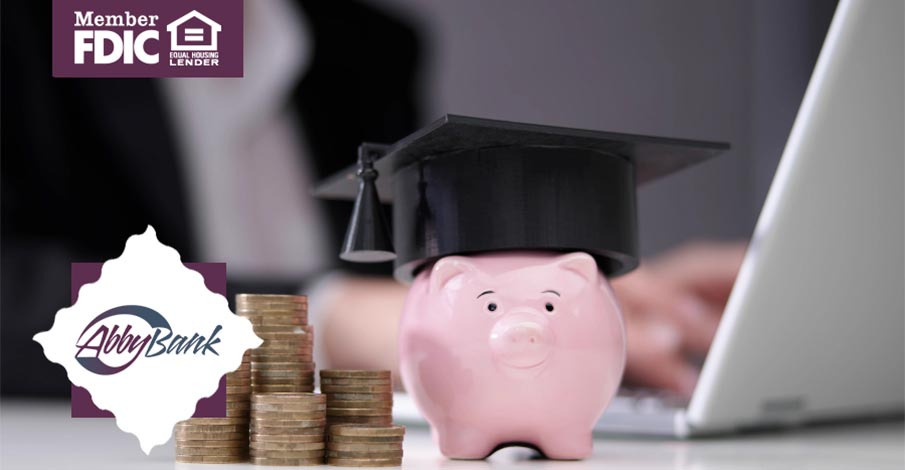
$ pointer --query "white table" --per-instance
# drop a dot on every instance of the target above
(41, 435)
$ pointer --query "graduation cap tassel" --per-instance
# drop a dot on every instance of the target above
(368, 236)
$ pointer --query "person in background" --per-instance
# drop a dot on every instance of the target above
(222, 168)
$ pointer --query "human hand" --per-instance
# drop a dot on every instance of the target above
(672, 305)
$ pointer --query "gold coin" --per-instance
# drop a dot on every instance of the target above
(211, 450)
(296, 399)
(281, 323)
(283, 388)
(373, 405)
(306, 415)
(294, 358)
(210, 436)
(359, 412)
(384, 374)
(237, 413)
(211, 459)
(371, 420)
(289, 407)
(287, 439)
(271, 297)
(390, 454)
(287, 462)
(274, 372)
(208, 421)
(282, 430)
(220, 428)
(365, 440)
(369, 447)
(286, 454)
(380, 397)
(181, 444)
(288, 446)
(239, 405)
(273, 434)
(364, 462)
(350, 381)
(367, 431)
(330, 388)
(295, 423)
(284, 381)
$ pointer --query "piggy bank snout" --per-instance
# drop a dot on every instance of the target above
(521, 339)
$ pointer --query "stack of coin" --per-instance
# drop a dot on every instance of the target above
(358, 396)
(238, 389)
(352, 445)
(212, 440)
(287, 429)
(284, 362)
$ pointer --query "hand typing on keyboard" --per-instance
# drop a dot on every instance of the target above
(672, 305)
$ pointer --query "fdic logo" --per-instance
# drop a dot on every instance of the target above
(193, 39)
(188, 38)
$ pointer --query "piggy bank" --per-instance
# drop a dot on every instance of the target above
(523, 348)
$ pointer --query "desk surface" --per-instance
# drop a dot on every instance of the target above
(41, 435)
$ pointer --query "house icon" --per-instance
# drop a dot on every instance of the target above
(193, 32)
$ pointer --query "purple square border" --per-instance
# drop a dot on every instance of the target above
(83, 406)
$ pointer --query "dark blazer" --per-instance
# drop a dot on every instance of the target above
(88, 162)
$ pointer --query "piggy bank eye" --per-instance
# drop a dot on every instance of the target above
(491, 307)
(549, 307)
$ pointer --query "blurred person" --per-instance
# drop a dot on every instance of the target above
(222, 169)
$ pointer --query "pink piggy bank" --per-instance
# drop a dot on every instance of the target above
(520, 348)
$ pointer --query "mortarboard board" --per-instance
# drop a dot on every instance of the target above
(464, 185)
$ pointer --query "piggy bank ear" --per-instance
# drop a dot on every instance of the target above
(448, 268)
(579, 263)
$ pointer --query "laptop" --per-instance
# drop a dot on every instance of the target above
(815, 327)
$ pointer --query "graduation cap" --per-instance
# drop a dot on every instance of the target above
(466, 185)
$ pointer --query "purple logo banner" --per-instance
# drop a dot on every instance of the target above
(147, 38)
(213, 406)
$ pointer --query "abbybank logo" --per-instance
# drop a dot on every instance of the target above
(144, 38)
(114, 339)
(148, 322)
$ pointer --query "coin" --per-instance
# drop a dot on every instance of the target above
(289, 446)
(390, 454)
(209, 421)
(372, 405)
(295, 423)
(369, 447)
(267, 433)
(287, 415)
(329, 388)
(372, 420)
(355, 373)
(264, 388)
(365, 440)
(289, 408)
(180, 450)
(287, 454)
(211, 436)
(364, 462)
(271, 297)
(212, 443)
(287, 462)
(360, 396)
(367, 431)
(210, 459)
(286, 439)
(359, 412)
(354, 381)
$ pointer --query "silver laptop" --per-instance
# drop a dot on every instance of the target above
(815, 327)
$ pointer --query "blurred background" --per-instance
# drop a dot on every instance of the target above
(222, 167)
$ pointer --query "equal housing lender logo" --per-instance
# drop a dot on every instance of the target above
(147, 38)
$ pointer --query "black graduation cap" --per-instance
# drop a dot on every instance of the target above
(466, 185)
